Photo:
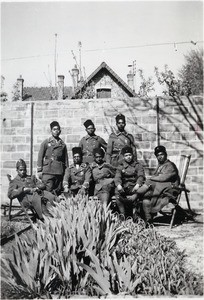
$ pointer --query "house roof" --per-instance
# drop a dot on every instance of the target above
(44, 93)
(103, 66)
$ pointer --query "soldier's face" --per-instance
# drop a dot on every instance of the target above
(77, 158)
(128, 157)
(121, 125)
(98, 159)
(55, 131)
(22, 171)
(161, 157)
(90, 130)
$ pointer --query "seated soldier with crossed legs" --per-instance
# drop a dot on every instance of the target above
(29, 191)
(156, 192)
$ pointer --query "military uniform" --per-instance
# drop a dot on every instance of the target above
(128, 175)
(165, 177)
(88, 143)
(52, 162)
(103, 176)
(31, 199)
(116, 142)
(75, 177)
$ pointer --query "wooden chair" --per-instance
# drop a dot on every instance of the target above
(21, 209)
(183, 170)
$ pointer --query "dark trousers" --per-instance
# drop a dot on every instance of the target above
(53, 183)
(33, 201)
(124, 205)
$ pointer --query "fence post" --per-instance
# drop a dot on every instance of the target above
(31, 139)
(158, 130)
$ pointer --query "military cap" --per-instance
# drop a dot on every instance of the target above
(77, 150)
(126, 149)
(53, 124)
(100, 151)
(159, 149)
(120, 117)
(20, 163)
(87, 123)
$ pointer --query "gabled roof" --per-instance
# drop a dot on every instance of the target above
(103, 66)
(44, 93)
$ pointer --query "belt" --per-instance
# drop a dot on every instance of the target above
(54, 158)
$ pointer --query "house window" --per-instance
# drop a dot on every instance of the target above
(103, 93)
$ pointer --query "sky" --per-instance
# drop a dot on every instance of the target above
(116, 32)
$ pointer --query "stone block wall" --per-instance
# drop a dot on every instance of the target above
(177, 135)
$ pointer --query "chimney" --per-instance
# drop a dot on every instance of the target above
(130, 80)
(20, 81)
(60, 87)
(75, 76)
(2, 83)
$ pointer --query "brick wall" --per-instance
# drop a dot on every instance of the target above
(176, 133)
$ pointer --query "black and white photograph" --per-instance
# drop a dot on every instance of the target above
(101, 149)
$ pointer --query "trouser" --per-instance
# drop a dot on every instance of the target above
(53, 183)
(34, 201)
(104, 197)
(146, 205)
(125, 206)
(105, 191)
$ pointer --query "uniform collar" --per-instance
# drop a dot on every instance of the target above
(74, 166)
(52, 139)
(20, 178)
(89, 137)
(94, 164)
(160, 165)
(132, 164)
(119, 132)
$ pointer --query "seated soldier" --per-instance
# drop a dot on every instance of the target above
(103, 176)
(129, 177)
(157, 190)
(29, 191)
(77, 177)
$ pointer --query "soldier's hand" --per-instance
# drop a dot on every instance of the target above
(120, 189)
(132, 198)
(27, 190)
(136, 187)
(66, 189)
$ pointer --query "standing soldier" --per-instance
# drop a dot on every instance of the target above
(91, 141)
(77, 177)
(53, 160)
(128, 179)
(103, 176)
(117, 141)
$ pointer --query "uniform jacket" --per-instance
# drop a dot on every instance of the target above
(165, 176)
(75, 178)
(127, 174)
(102, 175)
(116, 142)
(52, 157)
(17, 184)
(88, 143)
(16, 189)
